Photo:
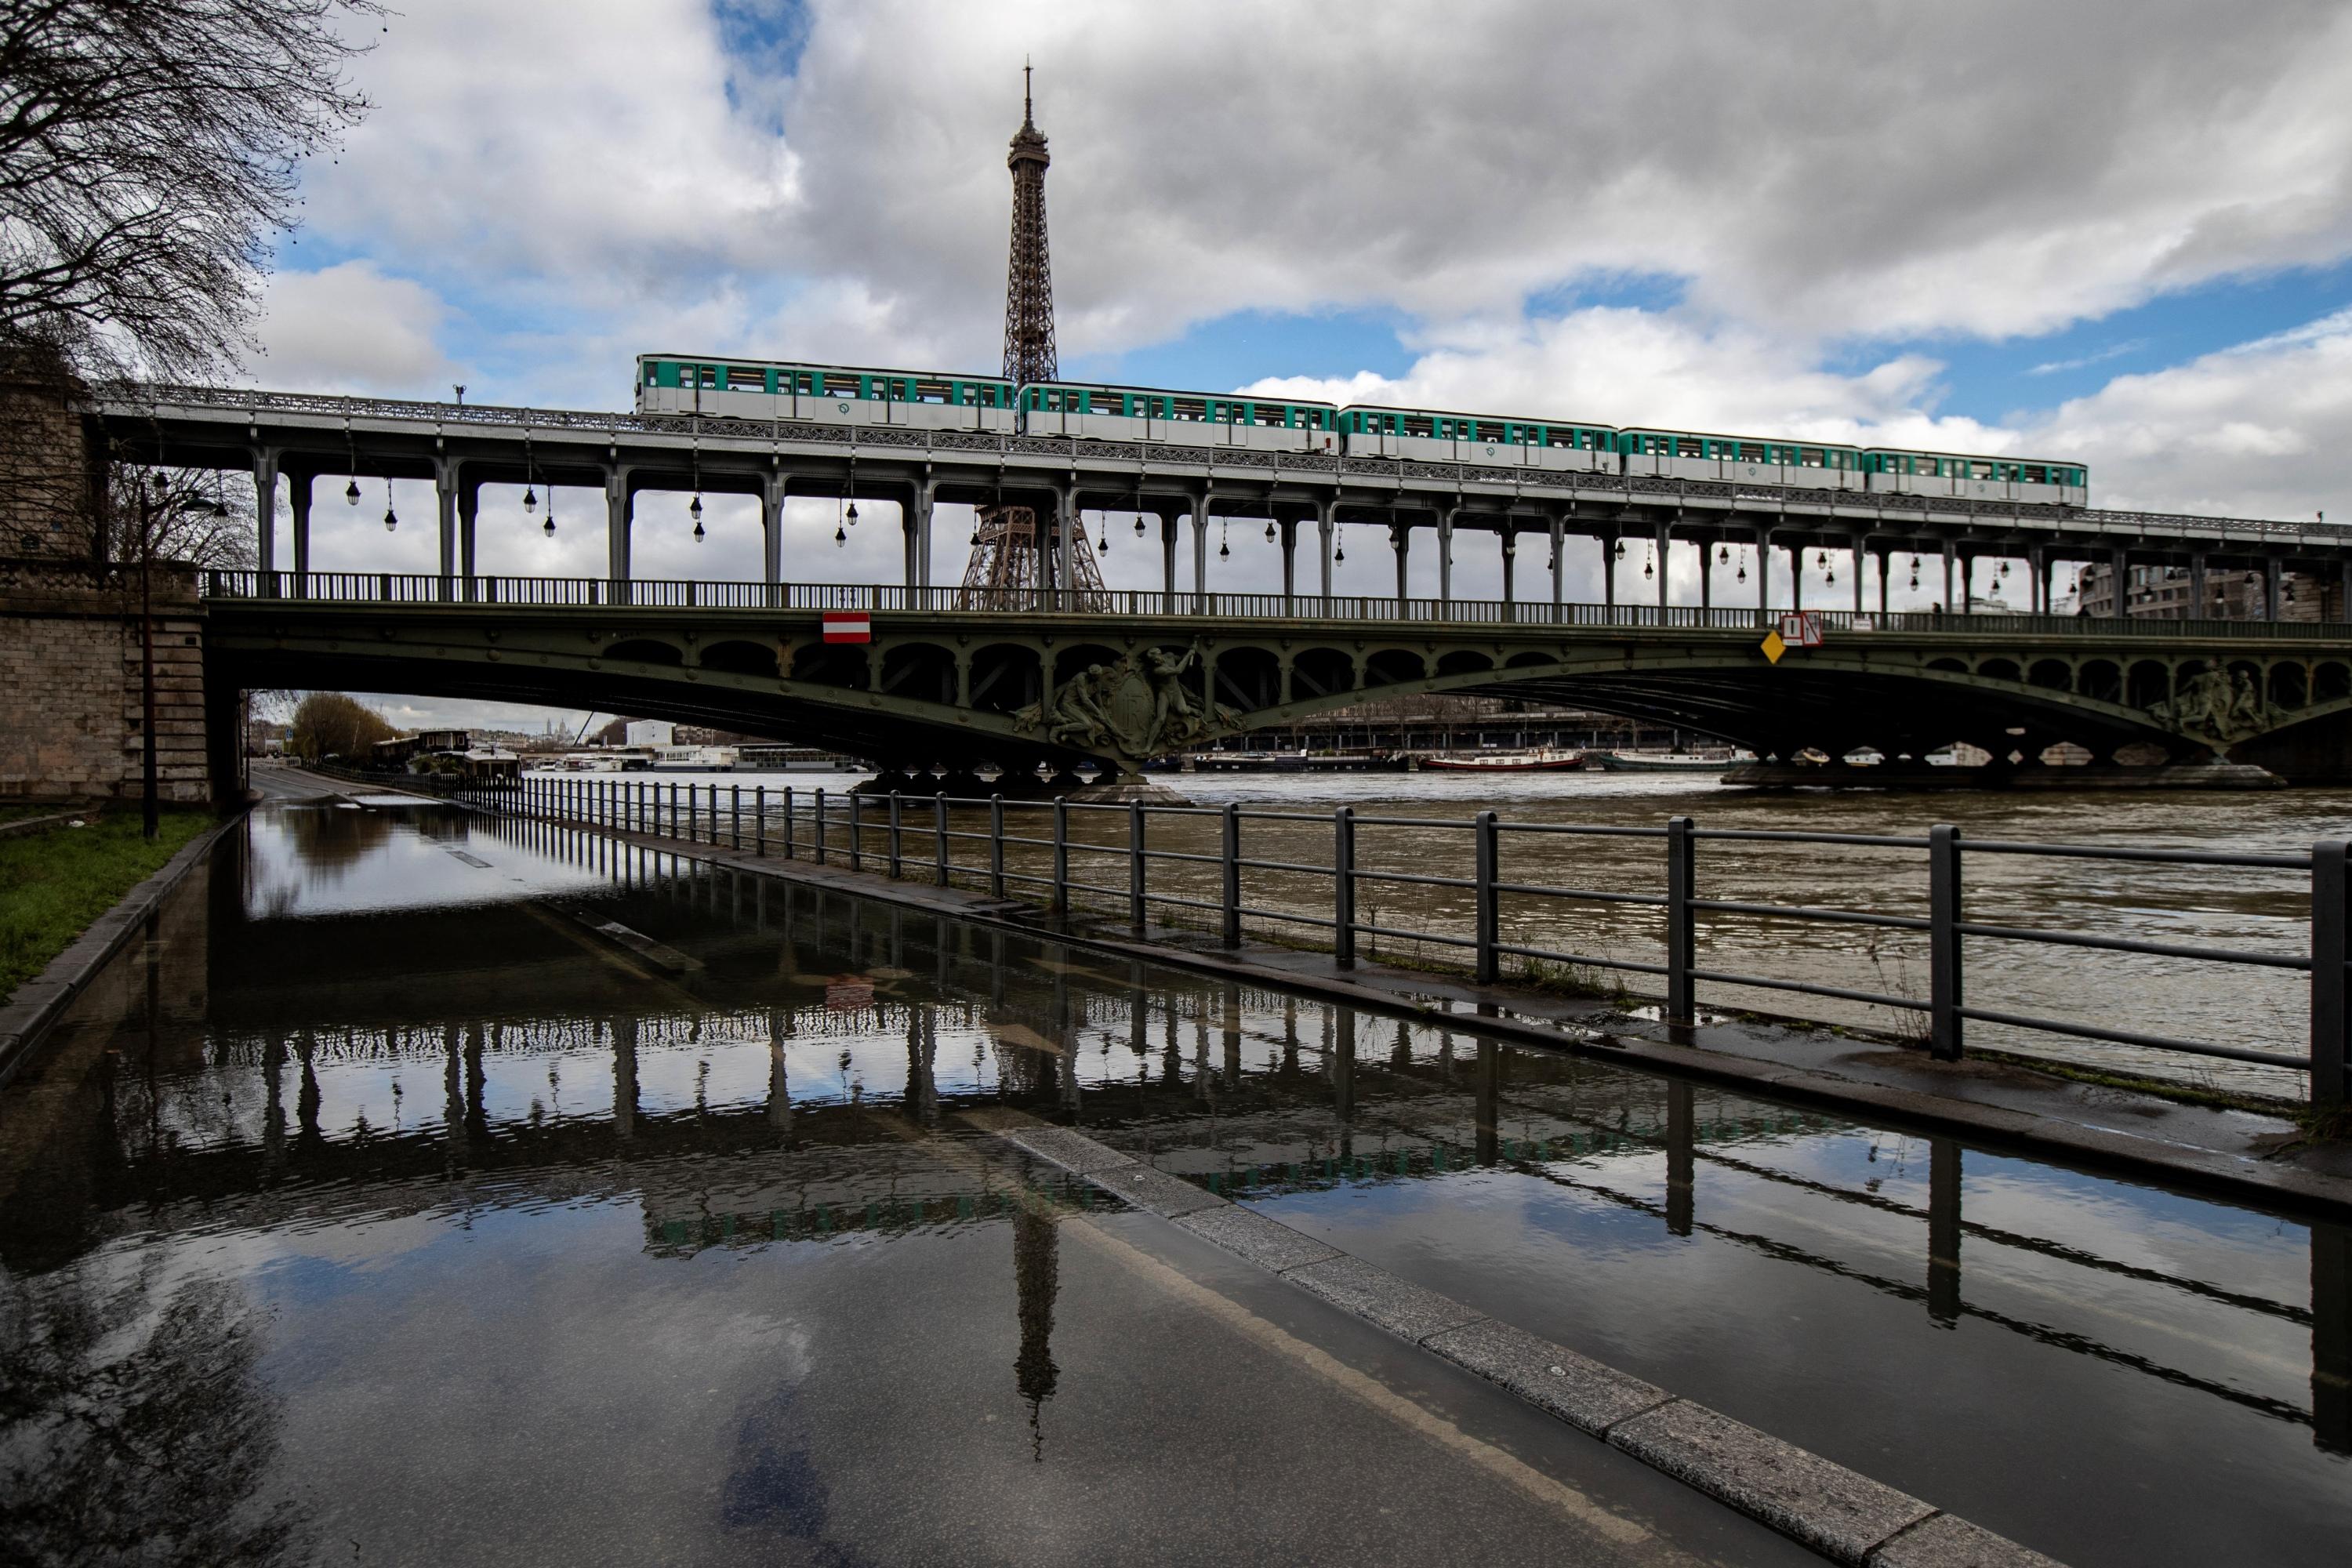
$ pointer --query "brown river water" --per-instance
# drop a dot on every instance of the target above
(2254, 908)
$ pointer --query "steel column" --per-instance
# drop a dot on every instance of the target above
(298, 495)
(618, 504)
(1326, 522)
(1136, 910)
(1230, 881)
(2270, 588)
(774, 488)
(1343, 887)
(1944, 967)
(469, 510)
(265, 512)
(1401, 540)
(1487, 930)
(1665, 553)
(1200, 553)
(445, 496)
(2331, 1017)
(1445, 562)
(1682, 866)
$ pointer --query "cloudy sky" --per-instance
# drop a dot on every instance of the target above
(2116, 232)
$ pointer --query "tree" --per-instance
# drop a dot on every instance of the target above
(330, 724)
(194, 518)
(150, 151)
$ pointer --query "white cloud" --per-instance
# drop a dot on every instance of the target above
(349, 328)
(605, 174)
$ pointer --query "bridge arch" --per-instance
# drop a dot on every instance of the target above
(740, 656)
(1248, 677)
(1005, 678)
(1394, 667)
(645, 650)
(1322, 673)
(843, 666)
(923, 672)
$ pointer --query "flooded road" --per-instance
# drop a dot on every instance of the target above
(430, 1189)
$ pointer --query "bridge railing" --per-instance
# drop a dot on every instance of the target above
(805, 598)
(1468, 887)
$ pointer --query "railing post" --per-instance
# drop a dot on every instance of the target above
(893, 835)
(1061, 855)
(1682, 999)
(816, 829)
(1944, 1031)
(1343, 887)
(1488, 967)
(735, 815)
(759, 820)
(1135, 887)
(857, 833)
(996, 847)
(2329, 1012)
(940, 836)
(1231, 851)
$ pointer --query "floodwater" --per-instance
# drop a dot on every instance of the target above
(2254, 909)
(429, 1189)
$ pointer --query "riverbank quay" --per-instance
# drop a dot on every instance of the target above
(34, 1007)
(2247, 1153)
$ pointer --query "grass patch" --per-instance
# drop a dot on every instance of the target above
(52, 885)
(26, 813)
(2175, 1090)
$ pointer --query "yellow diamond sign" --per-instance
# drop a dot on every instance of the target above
(1773, 647)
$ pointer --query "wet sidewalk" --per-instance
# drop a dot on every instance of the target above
(2246, 1152)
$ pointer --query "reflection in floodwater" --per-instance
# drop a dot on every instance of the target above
(1037, 1278)
(182, 1187)
(133, 1424)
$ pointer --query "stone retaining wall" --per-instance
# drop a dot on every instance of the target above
(70, 720)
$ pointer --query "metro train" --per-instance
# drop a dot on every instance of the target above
(759, 389)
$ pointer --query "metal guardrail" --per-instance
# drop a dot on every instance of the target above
(394, 588)
(822, 827)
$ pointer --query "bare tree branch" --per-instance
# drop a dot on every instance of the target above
(150, 151)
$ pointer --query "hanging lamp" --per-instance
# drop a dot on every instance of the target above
(390, 518)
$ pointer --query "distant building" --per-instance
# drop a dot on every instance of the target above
(2167, 594)
(651, 732)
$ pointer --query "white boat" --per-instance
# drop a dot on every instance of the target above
(1533, 760)
(1664, 762)
(694, 759)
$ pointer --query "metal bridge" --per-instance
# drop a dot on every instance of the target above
(459, 447)
(1060, 676)
(1063, 677)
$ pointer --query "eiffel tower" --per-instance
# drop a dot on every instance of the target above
(1009, 557)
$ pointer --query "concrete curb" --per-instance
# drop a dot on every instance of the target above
(2207, 1171)
(34, 1008)
(1844, 1515)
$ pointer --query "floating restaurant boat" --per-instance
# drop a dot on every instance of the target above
(1664, 762)
(1538, 760)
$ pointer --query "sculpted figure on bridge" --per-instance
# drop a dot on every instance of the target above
(2217, 706)
(1138, 707)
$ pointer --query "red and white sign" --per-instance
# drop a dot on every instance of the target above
(1800, 629)
(848, 625)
